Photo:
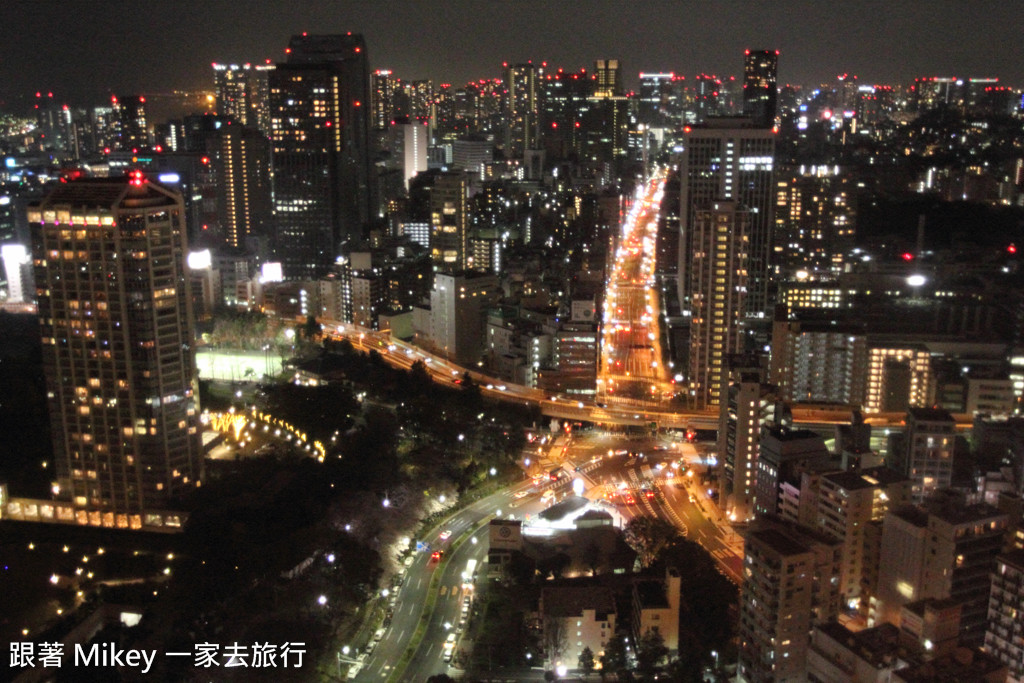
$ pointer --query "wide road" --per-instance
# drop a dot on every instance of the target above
(631, 366)
(622, 412)
(631, 467)
(432, 592)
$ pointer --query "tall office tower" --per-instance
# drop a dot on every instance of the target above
(117, 334)
(103, 129)
(420, 95)
(945, 549)
(449, 222)
(814, 220)
(232, 86)
(729, 159)
(931, 92)
(790, 585)
(718, 280)
(848, 504)
(747, 406)
(259, 97)
(442, 114)
(656, 99)
(319, 100)
(564, 104)
(243, 178)
(760, 87)
(1005, 635)
(408, 144)
(131, 115)
(607, 78)
(707, 97)
(925, 451)
(521, 109)
(382, 98)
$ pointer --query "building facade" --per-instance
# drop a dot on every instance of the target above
(319, 99)
(117, 335)
(718, 282)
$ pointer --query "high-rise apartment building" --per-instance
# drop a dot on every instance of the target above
(408, 144)
(814, 221)
(899, 377)
(132, 126)
(790, 584)
(243, 178)
(117, 336)
(449, 222)
(319, 103)
(231, 83)
(458, 307)
(848, 503)
(522, 109)
(760, 87)
(1005, 636)
(924, 454)
(243, 93)
(729, 159)
(945, 549)
(783, 456)
(718, 282)
(818, 363)
(383, 85)
(747, 405)
(420, 96)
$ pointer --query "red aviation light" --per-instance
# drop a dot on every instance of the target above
(136, 178)
(907, 256)
(1012, 249)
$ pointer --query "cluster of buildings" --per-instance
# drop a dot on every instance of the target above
(478, 221)
(859, 567)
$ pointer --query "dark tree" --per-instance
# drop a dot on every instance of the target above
(650, 651)
(614, 657)
(648, 536)
(586, 661)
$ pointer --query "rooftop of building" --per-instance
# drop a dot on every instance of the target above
(786, 435)
(877, 646)
(571, 601)
(1015, 558)
(912, 514)
(650, 594)
(867, 478)
(930, 415)
(960, 666)
(104, 193)
(919, 607)
(953, 511)
(777, 541)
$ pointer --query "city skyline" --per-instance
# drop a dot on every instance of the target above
(462, 40)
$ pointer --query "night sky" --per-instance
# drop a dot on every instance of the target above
(84, 49)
